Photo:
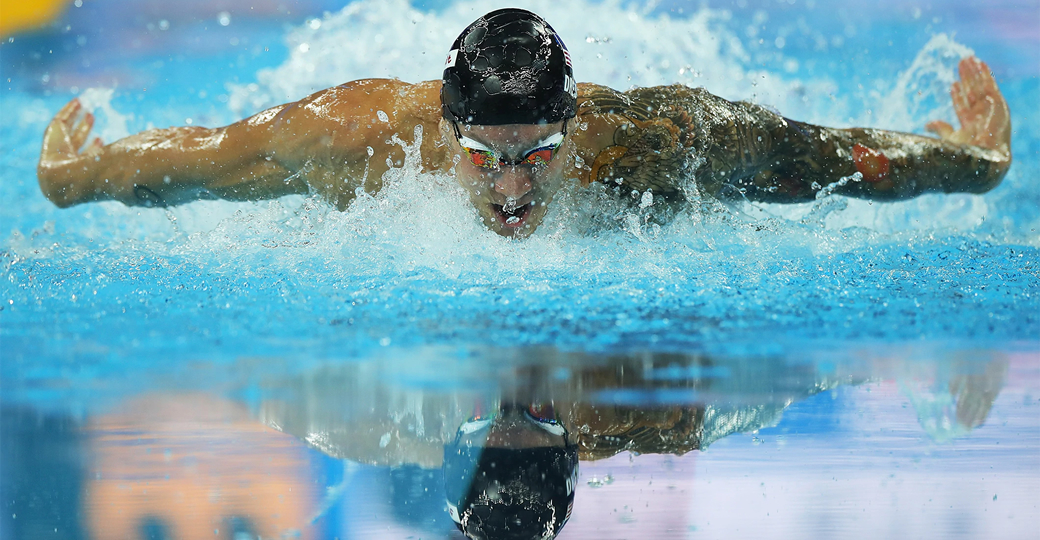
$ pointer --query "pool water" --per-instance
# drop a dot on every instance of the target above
(872, 362)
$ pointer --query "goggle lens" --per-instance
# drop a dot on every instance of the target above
(486, 159)
(540, 156)
(481, 158)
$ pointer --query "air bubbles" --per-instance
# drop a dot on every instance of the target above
(314, 24)
(224, 18)
(164, 25)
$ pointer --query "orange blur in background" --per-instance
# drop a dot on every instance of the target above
(19, 15)
(194, 463)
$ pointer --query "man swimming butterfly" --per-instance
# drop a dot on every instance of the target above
(513, 125)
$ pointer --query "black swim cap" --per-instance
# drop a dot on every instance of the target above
(510, 494)
(508, 67)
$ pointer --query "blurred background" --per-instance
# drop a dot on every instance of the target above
(61, 44)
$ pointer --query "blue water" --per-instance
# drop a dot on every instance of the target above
(101, 303)
(292, 277)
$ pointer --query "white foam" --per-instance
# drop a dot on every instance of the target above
(611, 44)
(424, 221)
(112, 124)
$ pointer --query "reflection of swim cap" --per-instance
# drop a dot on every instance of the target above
(510, 494)
(508, 67)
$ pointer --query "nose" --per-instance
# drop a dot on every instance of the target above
(513, 182)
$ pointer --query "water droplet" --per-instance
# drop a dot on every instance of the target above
(224, 18)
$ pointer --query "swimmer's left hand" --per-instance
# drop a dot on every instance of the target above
(64, 169)
(981, 109)
(68, 132)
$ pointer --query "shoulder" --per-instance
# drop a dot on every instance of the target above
(639, 103)
(642, 138)
(381, 99)
(595, 98)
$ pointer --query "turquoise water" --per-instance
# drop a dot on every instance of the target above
(853, 320)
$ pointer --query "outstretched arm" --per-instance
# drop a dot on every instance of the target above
(160, 167)
(800, 159)
(331, 142)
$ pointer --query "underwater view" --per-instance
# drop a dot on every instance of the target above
(394, 363)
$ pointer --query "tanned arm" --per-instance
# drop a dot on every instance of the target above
(893, 166)
(653, 138)
(331, 142)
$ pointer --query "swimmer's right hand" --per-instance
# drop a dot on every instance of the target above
(65, 154)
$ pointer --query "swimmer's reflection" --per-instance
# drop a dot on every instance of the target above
(511, 473)
(503, 460)
(510, 460)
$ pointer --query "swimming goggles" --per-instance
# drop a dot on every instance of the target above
(486, 158)
(540, 414)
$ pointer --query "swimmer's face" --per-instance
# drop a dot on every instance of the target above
(512, 199)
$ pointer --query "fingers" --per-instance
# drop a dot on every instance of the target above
(81, 131)
(984, 77)
(69, 111)
(940, 128)
(977, 79)
(95, 147)
(961, 104)
(68, 132)
(55, 140)
(973, 79)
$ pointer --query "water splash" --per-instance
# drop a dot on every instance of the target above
(413, 264)
(921, 92)
(608, 41)
(112, 123)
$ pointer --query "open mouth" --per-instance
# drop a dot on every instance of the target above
(514, 218)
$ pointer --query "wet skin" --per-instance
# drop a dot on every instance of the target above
(520, 191)
(340, 139)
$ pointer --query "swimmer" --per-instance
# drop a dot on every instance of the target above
(509, 121)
